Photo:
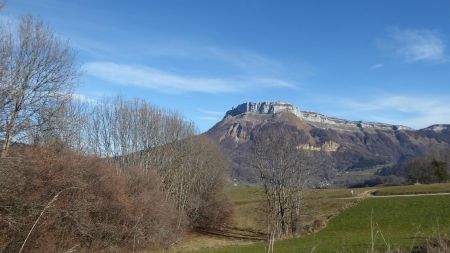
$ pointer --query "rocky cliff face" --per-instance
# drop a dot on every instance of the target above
(261, 108)
(340, 144)
(311, 117)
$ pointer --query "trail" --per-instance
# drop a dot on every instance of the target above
(369, 194)
(410, 195)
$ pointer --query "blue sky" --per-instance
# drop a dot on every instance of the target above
(385, 60)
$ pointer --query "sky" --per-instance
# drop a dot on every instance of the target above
(384, 61)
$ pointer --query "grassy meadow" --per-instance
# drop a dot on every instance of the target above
(398, 222)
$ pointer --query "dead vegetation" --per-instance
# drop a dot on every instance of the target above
(54, 200)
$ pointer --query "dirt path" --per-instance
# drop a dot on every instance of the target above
(410, 195)
(369, 194)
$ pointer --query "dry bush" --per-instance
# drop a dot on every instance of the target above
(93, 207)
(437, 243)
(194, 176)
(192, 169)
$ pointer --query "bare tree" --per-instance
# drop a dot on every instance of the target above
(130, 130)
(194, 175)
(67, 125)
(38, 71)
(283, 171)
(134, 133)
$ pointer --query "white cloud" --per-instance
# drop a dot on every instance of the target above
(415, 45)
(209, 118)
(417, 112)
(216, 113)
(237, 59)
(376, 66)
(272, 82)
(146, 77)
(208, 115)
(244, 60)
(152, 78)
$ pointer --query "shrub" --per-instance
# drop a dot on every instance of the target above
(80, 203)
(195, 177)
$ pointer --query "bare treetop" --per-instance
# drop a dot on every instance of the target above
(37, 75)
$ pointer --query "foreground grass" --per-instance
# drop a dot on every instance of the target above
(403, 222)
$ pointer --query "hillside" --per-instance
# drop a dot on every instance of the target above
(337, 145)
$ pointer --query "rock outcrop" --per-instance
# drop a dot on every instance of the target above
(312, 117)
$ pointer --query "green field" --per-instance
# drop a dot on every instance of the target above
(318, 205)
(402, 221)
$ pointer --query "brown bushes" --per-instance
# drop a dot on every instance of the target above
(94, 207)
(195, 177)
(155, 179)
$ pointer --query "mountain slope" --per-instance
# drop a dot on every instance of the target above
(338, 145)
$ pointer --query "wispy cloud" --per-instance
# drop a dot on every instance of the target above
(376, 66)
(208, 115)
(156, 79)
(411, 111)
(245, 60)
(151, 78)
(215, 113)
(238, 59)
(93, 48)
(209, 118)
(415, 45)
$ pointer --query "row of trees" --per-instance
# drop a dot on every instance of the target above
(432, 166)
(144, 153)
(426, 169)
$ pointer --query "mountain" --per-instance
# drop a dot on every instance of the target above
(338, 145)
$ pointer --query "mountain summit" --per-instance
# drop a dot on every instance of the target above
(311, 117)
(339, 145)
(262, 108)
